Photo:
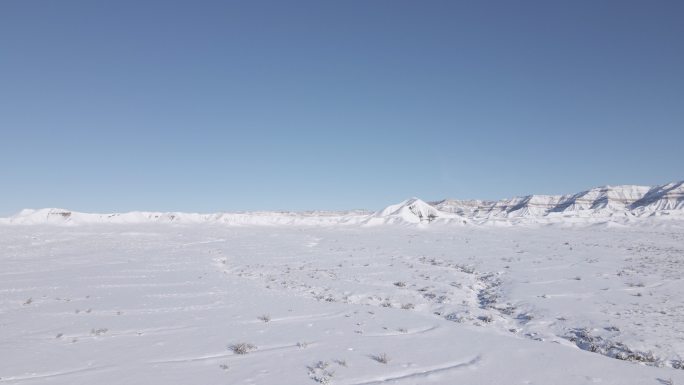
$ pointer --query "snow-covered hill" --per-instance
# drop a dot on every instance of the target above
(666, 197)
(411, 210)
(625, 201)
(618, 204)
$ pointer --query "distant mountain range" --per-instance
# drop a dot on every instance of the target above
(618, 204)
(636, 200)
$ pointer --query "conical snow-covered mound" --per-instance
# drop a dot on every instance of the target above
(411, 210)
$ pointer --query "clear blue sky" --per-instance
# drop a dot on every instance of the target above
(219, 105)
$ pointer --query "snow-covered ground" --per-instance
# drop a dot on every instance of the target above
(582, 288)
(341, 303)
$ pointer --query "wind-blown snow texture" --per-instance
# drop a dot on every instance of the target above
(451, 296)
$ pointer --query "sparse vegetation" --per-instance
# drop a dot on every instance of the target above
(319, 372)
(98, 332)
(341, 363)
(381, 358)
(242, 348)
(265, 317)
(585, 340)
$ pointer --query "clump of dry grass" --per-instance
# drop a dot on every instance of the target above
(381, 358)
(242, 348)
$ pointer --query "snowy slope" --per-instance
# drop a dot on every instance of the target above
(615, 198)
(597, 203)
(665, 197)
(414, 211)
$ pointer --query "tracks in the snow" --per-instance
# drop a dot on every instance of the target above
(418, 373)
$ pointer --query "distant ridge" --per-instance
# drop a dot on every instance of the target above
(599, 202)
(618, 204)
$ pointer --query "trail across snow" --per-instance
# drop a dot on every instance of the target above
(166, 304)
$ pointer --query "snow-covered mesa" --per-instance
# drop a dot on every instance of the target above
(615, 204)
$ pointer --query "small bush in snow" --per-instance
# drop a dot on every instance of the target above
(242, 348)
(98, 332)
(381, 358)
(341, 363)
(319, 372)
(265, 318)
(454, 317)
